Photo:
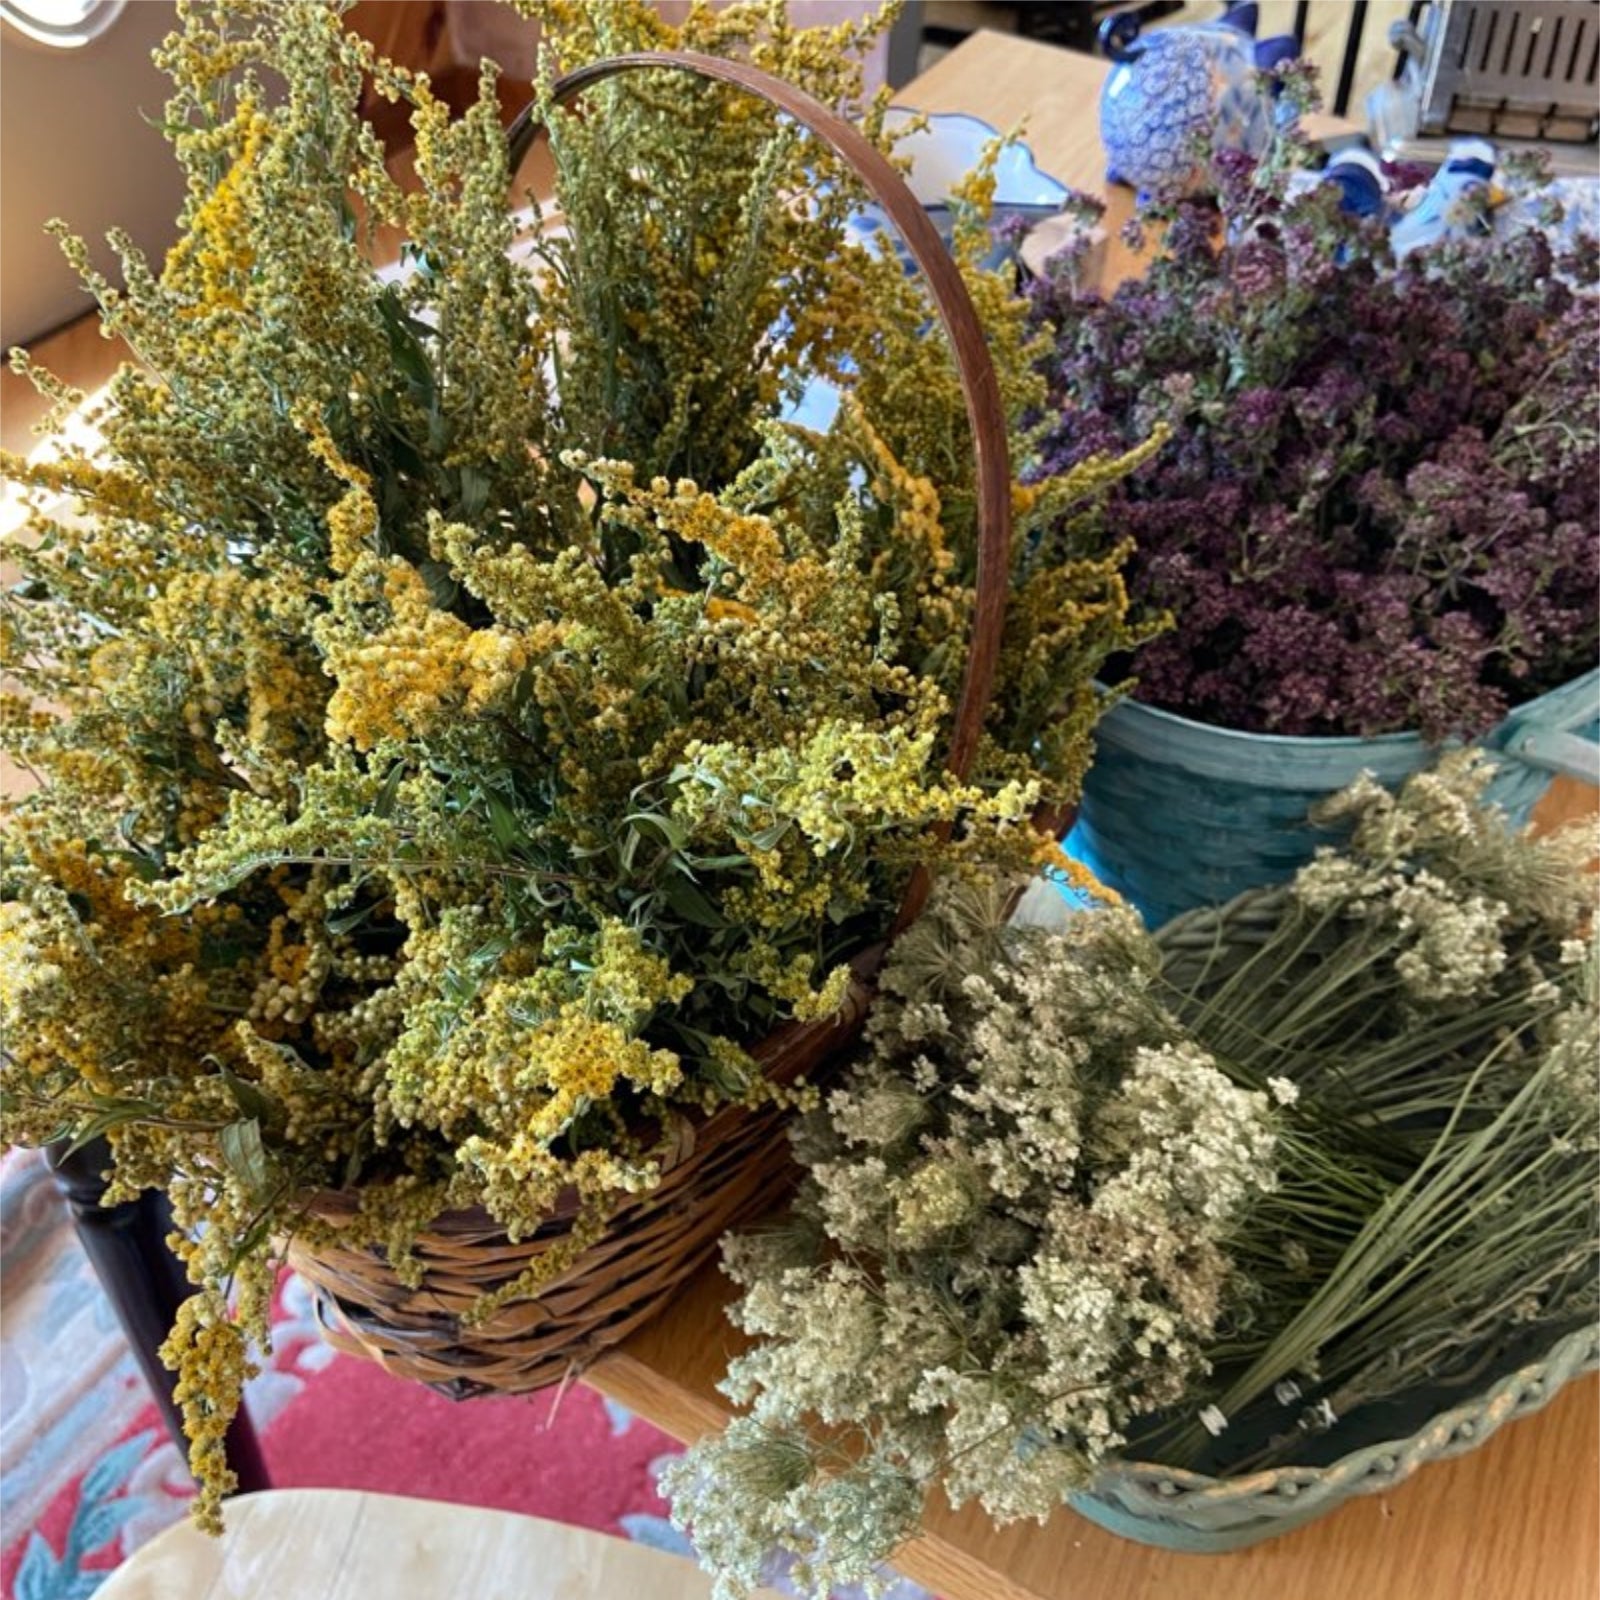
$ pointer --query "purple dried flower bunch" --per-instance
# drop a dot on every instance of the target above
(1379, 508)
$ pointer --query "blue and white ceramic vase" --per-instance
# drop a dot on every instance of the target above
(1175, 90)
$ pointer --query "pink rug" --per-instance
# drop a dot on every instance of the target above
(87, 1473)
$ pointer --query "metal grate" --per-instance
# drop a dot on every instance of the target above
(1523, 70)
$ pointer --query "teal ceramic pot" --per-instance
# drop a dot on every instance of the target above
(1178, 814)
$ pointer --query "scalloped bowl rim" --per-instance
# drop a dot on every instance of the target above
(1018, 176)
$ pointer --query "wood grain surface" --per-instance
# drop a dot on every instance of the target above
(1517, 1520)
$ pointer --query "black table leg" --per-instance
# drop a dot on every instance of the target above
(127, 1247)
(1352, 52)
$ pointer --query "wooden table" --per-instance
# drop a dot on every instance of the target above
(1517, 1520)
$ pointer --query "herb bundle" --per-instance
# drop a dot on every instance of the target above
(1093, 1194)
(1378, 508)
(1431, 992)
(1010, 1245)
(466, 716)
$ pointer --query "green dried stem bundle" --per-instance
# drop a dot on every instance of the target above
(1432, 992)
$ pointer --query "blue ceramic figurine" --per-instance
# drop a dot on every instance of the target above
(1458, 203)
(1168, 88)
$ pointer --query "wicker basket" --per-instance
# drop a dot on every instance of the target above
(1178, 814)
(718, 1171)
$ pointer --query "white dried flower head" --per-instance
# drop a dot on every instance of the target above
(933, 1200)
(878, 1114)
(1456, 944)
(1331, 882)
(1195, 1147)
(1570, 1041)
(1370, 806)
(1442, 803)
(854, 1198)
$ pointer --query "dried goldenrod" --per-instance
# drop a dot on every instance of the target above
(466, 714)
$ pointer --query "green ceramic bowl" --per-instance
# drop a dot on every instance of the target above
(1177, 1510)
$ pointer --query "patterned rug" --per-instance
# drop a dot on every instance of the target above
(87, 1473)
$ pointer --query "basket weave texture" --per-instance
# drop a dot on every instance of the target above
(717, 1171)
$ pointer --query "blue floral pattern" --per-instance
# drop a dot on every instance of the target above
(97, 1519)
(1175, 86)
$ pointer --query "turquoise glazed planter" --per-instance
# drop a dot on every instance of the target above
(1178, 814)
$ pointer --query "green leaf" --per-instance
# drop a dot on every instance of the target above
(246, 1157)
(113, 1117)
(409, 352)
(474, 491)
(349, 921)
(442, 586)
(669, 830)
(146, 870)
(504, 823)
(770, 838)
(383, 804)
(693, 864)
(250, 1098)
(489, 952)
(692, 905)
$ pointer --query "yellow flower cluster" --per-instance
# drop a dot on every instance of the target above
(424, 665)
(467, 717)
(208, 1350)
(209, 262)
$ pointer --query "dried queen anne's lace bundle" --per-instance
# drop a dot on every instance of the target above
(1028, 1186)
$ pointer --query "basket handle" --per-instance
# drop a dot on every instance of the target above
(979, 387)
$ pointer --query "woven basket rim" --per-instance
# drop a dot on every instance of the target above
(1247, 902)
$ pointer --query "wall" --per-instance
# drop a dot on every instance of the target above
(73, 145)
